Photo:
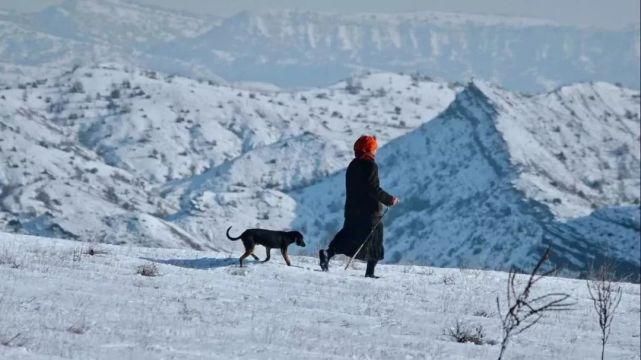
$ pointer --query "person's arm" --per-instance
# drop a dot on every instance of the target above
(374, 189)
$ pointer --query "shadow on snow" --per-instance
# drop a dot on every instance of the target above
(201, 263)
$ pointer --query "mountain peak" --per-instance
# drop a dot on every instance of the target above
(499, 173)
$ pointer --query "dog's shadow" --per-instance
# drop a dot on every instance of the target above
(201, 263)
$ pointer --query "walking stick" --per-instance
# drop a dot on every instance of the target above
(366, 239)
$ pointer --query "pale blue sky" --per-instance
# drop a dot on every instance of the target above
(599, 13)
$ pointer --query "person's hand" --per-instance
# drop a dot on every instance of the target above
(395, 201)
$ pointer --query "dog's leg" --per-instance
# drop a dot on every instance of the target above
(268, 252)
(248, 252)
(255, 257)
(284, 252)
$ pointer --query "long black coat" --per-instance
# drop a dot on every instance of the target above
(363, 210)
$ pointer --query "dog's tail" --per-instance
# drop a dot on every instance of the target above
(232, 238)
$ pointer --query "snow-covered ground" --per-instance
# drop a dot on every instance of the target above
(58, 302)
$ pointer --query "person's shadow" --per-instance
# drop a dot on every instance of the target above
(201, 263)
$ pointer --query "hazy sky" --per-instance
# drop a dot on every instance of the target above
(600, 13)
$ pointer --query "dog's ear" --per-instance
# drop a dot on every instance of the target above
(299, 239)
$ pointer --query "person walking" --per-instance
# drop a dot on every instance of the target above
(363, 210)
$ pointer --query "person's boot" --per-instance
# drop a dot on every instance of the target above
(324, 261)
(369, 272)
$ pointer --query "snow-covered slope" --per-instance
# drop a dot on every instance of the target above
(57, 301)
(109, 147)
(52, 185)
(292, 140)
(293, 48)
(499, 175)
(120, 155)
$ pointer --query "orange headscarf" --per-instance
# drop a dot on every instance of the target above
(365, 146)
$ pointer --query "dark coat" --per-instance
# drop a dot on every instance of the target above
(363, 210)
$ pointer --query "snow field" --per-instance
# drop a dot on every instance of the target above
(67, 304)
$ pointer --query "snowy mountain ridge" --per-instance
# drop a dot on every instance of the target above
(497, 176)
(134, 141)
(129, 156)
(562, 146)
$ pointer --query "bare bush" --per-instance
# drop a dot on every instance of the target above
(77, 88)
(353, 86)
(425, 272)
(80, 327)
(605, 297)
(148, 270)
(523, 312)
(482, 313)
(9, 259)
(16, 340)
(448, 279)
(187, 313)
(466, 334)
(94, 251)
(77, 254)
(238, 272)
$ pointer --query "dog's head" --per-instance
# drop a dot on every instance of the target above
(298, 238)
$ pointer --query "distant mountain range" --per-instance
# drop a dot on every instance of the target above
(303, 49)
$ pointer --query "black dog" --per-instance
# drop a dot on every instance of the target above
(269, 239)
